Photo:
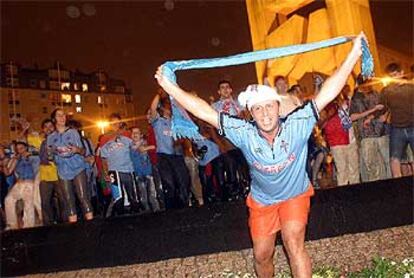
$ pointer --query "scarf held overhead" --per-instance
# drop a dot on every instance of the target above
(184, 127)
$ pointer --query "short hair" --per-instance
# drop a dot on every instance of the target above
(21, 143)
(278, 77)
(393, 67)
(45, 121)
(293, 88)
(115, 116)
(224, 81)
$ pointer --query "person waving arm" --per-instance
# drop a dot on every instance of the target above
(334, 84)
(195, 105)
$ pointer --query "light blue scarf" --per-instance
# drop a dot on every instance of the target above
(184, 127)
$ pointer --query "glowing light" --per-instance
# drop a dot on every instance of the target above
(386, 80)
(102, 125)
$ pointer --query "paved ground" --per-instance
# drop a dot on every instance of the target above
(348, 252)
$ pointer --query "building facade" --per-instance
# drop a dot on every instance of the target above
(33, 93)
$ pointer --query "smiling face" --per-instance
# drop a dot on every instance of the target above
(48, 128)
(60, 118)
(266, 115)
(225, 90)
(136, 134)
(281, 85)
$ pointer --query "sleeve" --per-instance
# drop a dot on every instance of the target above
(304, 118)
(215, 106)
(49, 140)
(43, 153)
(154, 120)
(77, 141)
(35, 161)
(233, 128)
(104, 151)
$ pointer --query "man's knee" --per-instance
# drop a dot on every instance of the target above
(294, 238)
(263, 254)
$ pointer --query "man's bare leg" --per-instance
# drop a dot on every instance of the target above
(293, 234)
(263, 250)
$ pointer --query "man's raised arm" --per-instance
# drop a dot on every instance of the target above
(334, 84)
(195, 105)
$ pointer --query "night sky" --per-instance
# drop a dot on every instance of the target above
(130, 39)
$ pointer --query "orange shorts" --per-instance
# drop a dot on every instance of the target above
(267, 220)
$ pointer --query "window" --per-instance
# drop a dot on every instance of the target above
(77, 99)
(11, 115)
(17, 102)
(78, 109)
(33, 83)
(65, 86)
(75, 86)
(42, 84)
(100, 100)
(54, 85)
(102, 88)
(44, 110)
(66, 98)
(84, 87)
(119, 89)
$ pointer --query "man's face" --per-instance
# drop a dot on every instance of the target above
(115, 124)
(281, 86)
(225, 90)
(21, 149)
(48, 128)
(136, 134)
(266, 115)
(166, 112)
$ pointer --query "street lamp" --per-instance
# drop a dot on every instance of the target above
(102, 125)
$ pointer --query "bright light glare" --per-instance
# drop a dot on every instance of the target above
(102, 124)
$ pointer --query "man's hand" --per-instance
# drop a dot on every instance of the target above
(379, 107)
(164, 82)
(357, 47)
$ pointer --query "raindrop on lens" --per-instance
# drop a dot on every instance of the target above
(72, 11)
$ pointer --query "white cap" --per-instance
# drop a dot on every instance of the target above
(257, 93)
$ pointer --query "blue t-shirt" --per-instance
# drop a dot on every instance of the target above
(228, 106)
(278, 172)
(27, 168)
(69, 165)
(142, 163)
(213, 151)
(163, 135)
(117, 152)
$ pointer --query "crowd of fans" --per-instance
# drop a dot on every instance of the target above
(57, 175)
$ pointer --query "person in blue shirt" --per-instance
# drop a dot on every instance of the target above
(25, 167)
(235, 165)
(67, 150)
(209, 156)
(143, 171)
(174, 174)
(115, 150)
(276, 152)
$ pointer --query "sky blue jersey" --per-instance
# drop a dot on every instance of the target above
(278, 171)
